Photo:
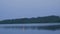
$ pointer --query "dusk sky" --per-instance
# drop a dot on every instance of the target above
(10, 9)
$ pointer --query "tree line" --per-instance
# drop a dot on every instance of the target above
(45, 19)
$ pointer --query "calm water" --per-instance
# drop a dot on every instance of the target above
(27, 31)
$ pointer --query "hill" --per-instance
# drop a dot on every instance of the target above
(46, 19)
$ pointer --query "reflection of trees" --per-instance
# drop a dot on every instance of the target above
(49, 27)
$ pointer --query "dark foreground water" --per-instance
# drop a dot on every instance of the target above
(29, 29)
(19, 31)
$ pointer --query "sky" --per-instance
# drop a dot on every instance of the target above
(11, 9)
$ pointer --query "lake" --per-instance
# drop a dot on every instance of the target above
(16, 29)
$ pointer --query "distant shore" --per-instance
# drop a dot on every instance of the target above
(46, 19)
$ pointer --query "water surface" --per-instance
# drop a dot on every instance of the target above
(17, 30)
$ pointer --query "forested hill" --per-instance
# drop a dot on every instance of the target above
(46, 19)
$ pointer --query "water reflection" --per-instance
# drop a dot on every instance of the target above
(50, 27)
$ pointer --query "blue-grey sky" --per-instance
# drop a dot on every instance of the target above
(28, 8)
